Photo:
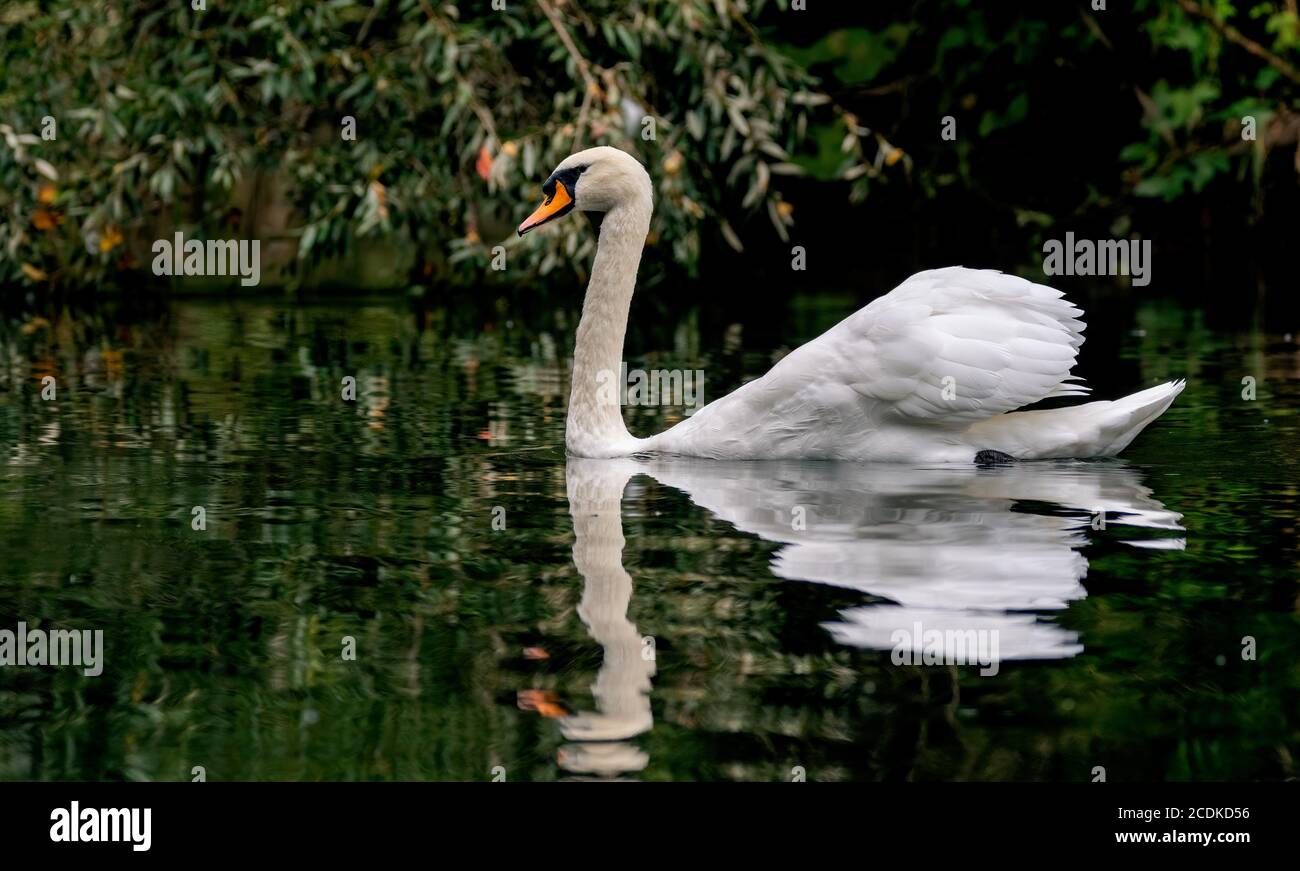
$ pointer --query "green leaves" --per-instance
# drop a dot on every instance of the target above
(1014, 113)
(1190, 175)
(169, 117)
(1177, 109)
(182, 119)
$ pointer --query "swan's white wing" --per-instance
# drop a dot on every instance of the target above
(965, 344)
(945, 348)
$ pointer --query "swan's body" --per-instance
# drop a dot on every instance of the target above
(933, 371)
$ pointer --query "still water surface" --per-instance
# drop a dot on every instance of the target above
(661, 619)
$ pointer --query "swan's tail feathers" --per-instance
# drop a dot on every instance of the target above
(1095, 429)
(1129, 416)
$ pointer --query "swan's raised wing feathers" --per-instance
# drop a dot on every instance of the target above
(963, 345)
(943, 350)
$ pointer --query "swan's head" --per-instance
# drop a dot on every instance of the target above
(595, 180)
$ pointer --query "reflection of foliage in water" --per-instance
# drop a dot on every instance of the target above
(373, 520)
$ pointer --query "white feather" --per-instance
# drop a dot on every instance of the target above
(929, 372)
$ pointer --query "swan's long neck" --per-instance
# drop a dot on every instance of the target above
(595, 421)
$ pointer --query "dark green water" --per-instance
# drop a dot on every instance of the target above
(662, 621)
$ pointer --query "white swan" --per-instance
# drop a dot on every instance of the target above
(932, 371)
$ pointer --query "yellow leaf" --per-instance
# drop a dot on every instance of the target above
(380, 196)
(45, 220)
(111, 239)
(33, 273)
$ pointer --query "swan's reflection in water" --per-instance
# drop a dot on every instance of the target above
(957, 547)
(598, 739)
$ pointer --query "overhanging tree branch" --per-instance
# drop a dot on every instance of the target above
(1234, 35)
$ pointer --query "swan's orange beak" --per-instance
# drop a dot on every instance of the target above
(552, 207)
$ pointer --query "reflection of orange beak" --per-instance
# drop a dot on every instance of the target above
(544, 702)
(556, 205)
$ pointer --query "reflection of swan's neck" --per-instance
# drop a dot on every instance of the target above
(624, 677)
(595, 419)
(623, 682)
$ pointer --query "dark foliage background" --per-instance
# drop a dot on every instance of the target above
(772, 124)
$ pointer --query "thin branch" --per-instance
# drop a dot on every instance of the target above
(1096, 29)
(584, 68)
(485, 119)
(883, 90)
(370, 19)
(582, 119)
(1234, 35)
(479, 110)
(563, 33)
